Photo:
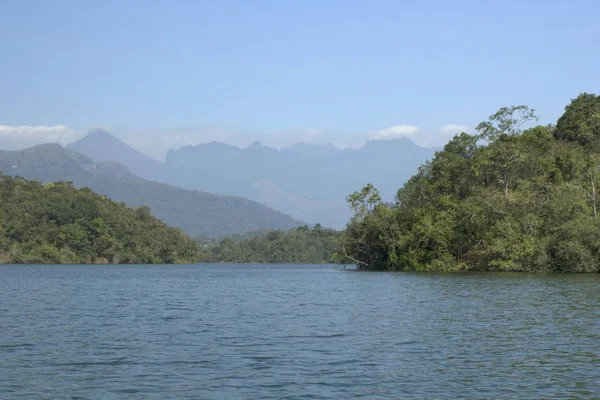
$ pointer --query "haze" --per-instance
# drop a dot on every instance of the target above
(290, 104)
(164, 75)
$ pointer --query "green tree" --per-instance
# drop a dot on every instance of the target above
(506, 121)
(301, 245)
(581, 119)
(57, 223)
(364, 201)
(525, 201)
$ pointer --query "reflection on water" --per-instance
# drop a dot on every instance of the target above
(295, 332)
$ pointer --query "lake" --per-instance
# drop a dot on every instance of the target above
(295, 332)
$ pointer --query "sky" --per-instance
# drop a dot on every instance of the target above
(163, 74)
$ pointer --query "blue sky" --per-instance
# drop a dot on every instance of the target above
(172, 72)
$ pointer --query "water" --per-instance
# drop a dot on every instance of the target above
(295, 332)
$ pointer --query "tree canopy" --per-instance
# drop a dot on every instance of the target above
(581, 120)
(56, 223)
(302, 245)
(520, 200)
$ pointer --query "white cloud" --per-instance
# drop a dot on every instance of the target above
(394, 132)
(421, 137)
(18, 137)
(453, 129)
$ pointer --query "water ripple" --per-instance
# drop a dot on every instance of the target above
(294, 332)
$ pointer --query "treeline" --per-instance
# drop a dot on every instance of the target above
(302, 245)
(503, 199)
(56, 223)
(206, 242)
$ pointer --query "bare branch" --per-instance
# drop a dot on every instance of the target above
(358, 262)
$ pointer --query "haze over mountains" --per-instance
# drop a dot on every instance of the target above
(308, 182)
(196, 212)
(101, 146)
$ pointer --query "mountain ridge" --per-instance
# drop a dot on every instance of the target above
(195, 212)
(309, 182)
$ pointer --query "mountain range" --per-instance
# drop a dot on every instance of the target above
(308, 182)
(195, 212)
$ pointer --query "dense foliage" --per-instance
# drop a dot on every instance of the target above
(301, 246)
(502, 200)
(195, 212)
(206, 242)
(56, 223)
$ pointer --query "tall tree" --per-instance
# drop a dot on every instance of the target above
(507, 121)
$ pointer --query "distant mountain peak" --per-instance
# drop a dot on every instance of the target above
(100, 137)
(100, 145)
(255, 144)
(99, 132)
(46, 146)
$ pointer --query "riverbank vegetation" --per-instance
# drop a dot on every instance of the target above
(512, 197)
(302, 245)
(56, 223)
(504, 199)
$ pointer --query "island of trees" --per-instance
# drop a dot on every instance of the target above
(56, 223)
(505, 199)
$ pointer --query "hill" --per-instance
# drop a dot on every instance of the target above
(502, 200)
(309, 182)
(57, 223)
(197, 213)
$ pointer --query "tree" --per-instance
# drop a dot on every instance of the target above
(364, 201)
(506, 121)
(589, 177)
(505, 160)
(2, 241)
(58, 223)
(143, 212)
(450, 166)
(300, 245)
(524, 201)
(581, 119)
(370, 239)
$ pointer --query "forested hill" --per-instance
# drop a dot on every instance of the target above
(197, 213)
(501, 200)
(302, 245)
(56, 223)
